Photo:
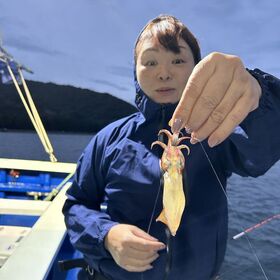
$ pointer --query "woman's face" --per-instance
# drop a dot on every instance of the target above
(162, 74)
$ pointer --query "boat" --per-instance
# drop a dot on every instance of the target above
(32, 192)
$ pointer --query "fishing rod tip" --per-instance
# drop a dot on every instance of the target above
(238, 235)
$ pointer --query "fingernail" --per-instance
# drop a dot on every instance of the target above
(188, 130)
(170, 123)
(153, 238)
(213, 142)
(194, 139)
(176, 126)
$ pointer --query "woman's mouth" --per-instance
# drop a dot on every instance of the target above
(165, 90)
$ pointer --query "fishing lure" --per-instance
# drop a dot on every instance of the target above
(172, 163)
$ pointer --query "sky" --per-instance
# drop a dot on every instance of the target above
(89, 44)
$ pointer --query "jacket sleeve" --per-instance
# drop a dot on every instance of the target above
(254, 146)
(87, 225)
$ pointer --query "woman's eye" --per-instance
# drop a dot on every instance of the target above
(151, 63)
(178, 61)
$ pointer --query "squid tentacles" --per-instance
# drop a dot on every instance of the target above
(172, 163)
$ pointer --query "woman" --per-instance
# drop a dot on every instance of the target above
(119, 168)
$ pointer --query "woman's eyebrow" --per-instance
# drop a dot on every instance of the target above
(157, 50)
(151, 49)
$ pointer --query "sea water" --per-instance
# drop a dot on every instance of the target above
(251, 200)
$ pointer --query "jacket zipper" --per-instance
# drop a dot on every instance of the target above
(162, 122)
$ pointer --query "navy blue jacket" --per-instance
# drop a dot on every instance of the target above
(119, 169)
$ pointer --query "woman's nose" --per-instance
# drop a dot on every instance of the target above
(164, 74)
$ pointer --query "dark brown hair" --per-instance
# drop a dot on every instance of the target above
(168, 30)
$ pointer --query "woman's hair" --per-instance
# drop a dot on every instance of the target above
(168, 30)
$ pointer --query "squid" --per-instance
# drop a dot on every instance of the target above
(172, 164)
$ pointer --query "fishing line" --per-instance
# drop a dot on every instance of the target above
(167, 267)
(229, 203)
(155, 204)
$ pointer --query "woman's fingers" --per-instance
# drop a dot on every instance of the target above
(135, 260)
(236, 116)
(145, 245)
(132, 248)
(219, 113)
(219, 95)
(136, 264)
(194, 88)
(132, 268)
(216, 89)
(141, 255)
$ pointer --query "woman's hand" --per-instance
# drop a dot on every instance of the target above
(132, 248)
(218, 96)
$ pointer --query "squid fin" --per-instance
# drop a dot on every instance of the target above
(162, 217)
